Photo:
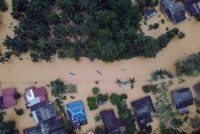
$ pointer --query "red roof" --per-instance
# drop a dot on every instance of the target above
(38, 92)
(8, 97)
(41, 91)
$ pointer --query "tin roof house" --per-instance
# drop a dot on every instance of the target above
(143, 109)
(34, 95)
(193, 8)
(174, 11)
(182, 98)
(112, 124)
(9, 97)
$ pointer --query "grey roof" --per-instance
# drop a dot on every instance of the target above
(32, 130)
(53, 126)
(182, 98)
(112, 124)
(197, 87)
(143, 108)
(45, 113)
(174, 11)
(166, 4)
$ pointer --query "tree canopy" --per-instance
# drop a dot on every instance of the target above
(98, 29)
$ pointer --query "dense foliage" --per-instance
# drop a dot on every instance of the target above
(6, 126)
(142, 4)
(3, 6)
(190, 66)
(95, 101)
(59, 89)
(124, 112)
(99, 130)
(102, 29)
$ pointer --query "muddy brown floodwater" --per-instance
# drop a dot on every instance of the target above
(23, 73)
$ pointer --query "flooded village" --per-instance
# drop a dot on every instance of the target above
(127, 77)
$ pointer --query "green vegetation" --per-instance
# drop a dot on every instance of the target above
(169, 130)
(164, 110)
(95, 101)
(190, 66)
(124, 112)
(3, 6)
(176, 123)
(162, 21)
(17, 95)
(19, 112)
(7, 126)
(123, 83)
(197, 102)
(181, 35)
(97, 118)
(142, 4)
(99, 130)
(107, 30)
(92, 103)
(59, 89)
(95, 90)
(161, 74)
(150, 88)
(154, 26)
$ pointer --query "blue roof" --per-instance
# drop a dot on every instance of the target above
(76, 113)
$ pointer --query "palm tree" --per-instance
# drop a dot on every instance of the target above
(97, 118)
(132, 82)
(42, 44)
(181, 35)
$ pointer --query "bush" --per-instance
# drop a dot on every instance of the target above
(150, 88)
(99, 130)
(162, 21)
(146, 89)
(19, 112)
(95, 90)
(190, 66)
(102, 97)
(177, 123)
(92, 103)
(3, 6)
(17, 95)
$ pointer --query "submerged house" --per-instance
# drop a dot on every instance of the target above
(76, 114)
(112, 124)
(174, 11)
(143, 109)
(44, 113)
(8, 97)
(149, 13)
(34, 95)
(197, 87)
(52, 126)
(182, 98)
(193, 8)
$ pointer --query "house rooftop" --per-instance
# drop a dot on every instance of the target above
(76, 114)
(112, 124)
(32, 130)
(45, 113)
(174, 11)
(182, 98)
(197, 87)
(34, 95)
(8, 97)
(143, 108)
(149, 12)
(52, 126)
